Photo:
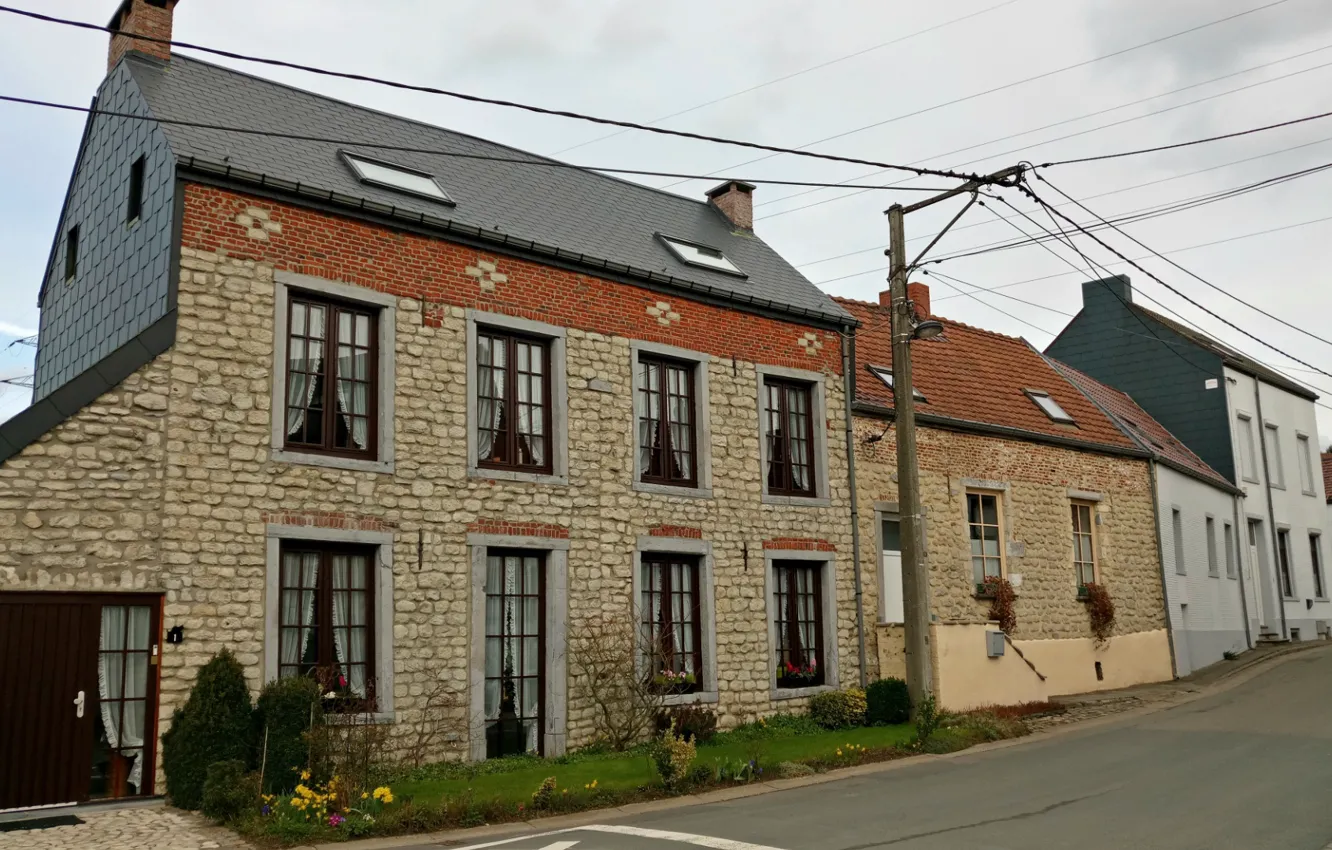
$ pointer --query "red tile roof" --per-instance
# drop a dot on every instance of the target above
(1327, 475)
(1149, 433)
(978, 376)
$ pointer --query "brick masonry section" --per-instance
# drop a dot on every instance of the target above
(518, 529)
(676, 531)
(804, 544)
(328, 519)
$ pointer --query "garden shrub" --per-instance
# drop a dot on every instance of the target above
(700, 775)
(544, 794)
(671, 756)
(286, 711)
(229, 792)
(791, 769)
(838, 709)
(1100, 612)
(928, 719)
(887, 703)
(691, 722)
(212, 726)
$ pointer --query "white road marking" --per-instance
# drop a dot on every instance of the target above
(635, 831)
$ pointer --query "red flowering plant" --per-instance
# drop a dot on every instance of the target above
(800, 674)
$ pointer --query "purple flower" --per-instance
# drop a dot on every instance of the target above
(335, 819)
(266, 810)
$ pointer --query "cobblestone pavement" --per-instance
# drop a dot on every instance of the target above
(135, 828)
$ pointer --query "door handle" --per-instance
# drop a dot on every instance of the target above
(78, 705)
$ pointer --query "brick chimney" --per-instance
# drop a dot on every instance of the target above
(736, 201)
(141, 17)
(917, 293)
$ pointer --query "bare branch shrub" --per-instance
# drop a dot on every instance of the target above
(605, 656)
(440, 705)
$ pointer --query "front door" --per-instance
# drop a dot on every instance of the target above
(79, 698)
(515, 652)
(1261, 574)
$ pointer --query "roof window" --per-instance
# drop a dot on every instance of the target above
(703, 256)
(886, 375)
(1049, 406)
(396, 177)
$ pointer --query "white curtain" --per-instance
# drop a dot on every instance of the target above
(109, 671)
(680, 436)
(302, 360)
(488, 389)
(799, 447)
(115, 684)
(349, 610)
(645, 408)
(298, 606)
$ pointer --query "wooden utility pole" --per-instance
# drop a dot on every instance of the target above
(915, 564)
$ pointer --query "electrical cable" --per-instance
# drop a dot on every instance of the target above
(473, 98)
(1013, 84)
(954, 283)
(795, 74)
(1193, 275)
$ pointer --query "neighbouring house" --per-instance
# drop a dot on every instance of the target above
(1023, 478)
(393, 419)
(1197, 523)
(1245, 420)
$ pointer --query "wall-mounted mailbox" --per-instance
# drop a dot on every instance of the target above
(176, 634)
(994, 644)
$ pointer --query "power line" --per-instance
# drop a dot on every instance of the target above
(949, 280)
(1119, 191)
(1016, 83)
(989, 291)
(1078, 227)
(1193, 275)
(799, 73)
(299, 137)
(473, 98)
(1067, 136)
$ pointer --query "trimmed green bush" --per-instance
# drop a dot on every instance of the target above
(888, 703)
(212, 726)
(838, 709)
(286, 709)
(229, 792)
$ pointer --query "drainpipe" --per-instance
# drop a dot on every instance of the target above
(1160, 560)
(1239, 566)
(1271, 510)
(848, 394)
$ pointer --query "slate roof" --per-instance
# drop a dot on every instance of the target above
(1228, 355)
(1149, 434)
(578, 211)
(970, 375)
(1327, 475)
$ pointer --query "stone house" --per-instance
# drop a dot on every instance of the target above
(1022, 477)
(407, 410)
(1253, 424)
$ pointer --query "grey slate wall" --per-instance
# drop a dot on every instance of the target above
(1166, 376)
(123, 280)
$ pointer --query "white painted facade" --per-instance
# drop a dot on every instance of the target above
(1274, 435)
(1204, 592)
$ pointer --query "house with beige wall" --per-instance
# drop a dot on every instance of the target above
(394, 418)
(1022, 478)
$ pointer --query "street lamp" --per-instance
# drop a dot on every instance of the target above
(928, 329)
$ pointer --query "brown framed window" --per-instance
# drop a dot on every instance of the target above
(332, 370)
(515, 651)
(667, 433)
(788, 428)
(798, 616)
(1084, 545)
(984, 531)
(326, 618)
(125, 686)
(671, 622)
(513, 401)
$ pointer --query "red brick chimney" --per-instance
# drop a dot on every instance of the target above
(917, 293)
(141, 17)
(736, 201)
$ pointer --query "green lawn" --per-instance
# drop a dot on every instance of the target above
(627, 771)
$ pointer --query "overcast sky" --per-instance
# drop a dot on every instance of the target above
(642, 62)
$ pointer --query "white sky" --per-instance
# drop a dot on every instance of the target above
(643, 61)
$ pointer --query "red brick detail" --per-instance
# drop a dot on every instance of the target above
(517, 529)
(141, 18)
(432, 271)
(803, 544)
(329, 519)
(675, 531)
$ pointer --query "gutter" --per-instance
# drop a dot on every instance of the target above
(967, 426)
(1160, 560)
(231, 176)
(1271, 510)
(849, 392)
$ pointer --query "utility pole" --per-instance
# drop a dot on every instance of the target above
(915, 564)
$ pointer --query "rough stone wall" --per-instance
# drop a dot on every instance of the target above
(217, 488)
(1037, 527)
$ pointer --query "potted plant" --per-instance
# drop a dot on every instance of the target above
(674, 682)
(800, 675)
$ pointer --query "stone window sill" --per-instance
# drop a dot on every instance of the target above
(797, 501)
(514, 475)
(696, 698)
(378, 718)
(383, 467)
(668, 490)
(797, 693)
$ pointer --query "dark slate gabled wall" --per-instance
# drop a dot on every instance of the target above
(1165, 373)
(123, 283)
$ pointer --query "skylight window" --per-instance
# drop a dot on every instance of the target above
(1049, 406)
(396, 177)
(703, 256)
(886, 375)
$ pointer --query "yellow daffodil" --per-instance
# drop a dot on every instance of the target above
(305, 775)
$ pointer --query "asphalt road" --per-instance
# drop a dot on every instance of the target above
(1249, 767)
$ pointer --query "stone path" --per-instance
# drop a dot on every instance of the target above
(134, 828)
